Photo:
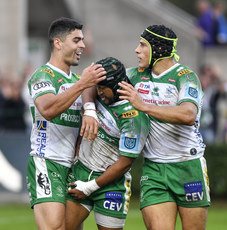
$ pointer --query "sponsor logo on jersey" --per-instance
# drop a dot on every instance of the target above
(129, 114)
(145, 78)
(60, 80)
(48, 71)
(140, 70)
(42, 84)
(144, 88)
(142, 91)
(155, 91)
(144, 85)
(114, 113)
(169, 92)
(42, 125)
(113, 201)
(156, 102)
(70, 117)
(171, 80)
(128, 107)
(193, 191)
(184, 71)
(41, 138)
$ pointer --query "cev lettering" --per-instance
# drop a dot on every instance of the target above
(112, 205)
(194, 196)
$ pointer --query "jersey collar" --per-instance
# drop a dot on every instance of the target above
(60, 71)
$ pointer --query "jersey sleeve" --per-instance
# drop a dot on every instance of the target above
(41, 83)
(190, 89)
(134, 128)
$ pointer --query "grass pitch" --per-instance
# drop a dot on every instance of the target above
(21, 217)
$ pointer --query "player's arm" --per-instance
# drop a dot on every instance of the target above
(113, 172)
(51, 105)
(89, 128)
(185, 113)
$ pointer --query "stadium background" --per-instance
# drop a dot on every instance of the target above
(112, 28)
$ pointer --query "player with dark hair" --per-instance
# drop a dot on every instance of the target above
(102, 173)
(55, 105)
(174, 177)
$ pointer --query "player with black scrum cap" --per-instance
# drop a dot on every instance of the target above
(102, 173)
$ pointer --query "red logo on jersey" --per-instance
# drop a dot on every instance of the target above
(171, 80)
(60, 80)
(145, 78)
(143, 91)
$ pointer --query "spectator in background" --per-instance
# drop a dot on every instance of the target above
(213, 88)
(220, 26)
(12, 105)
(205, 23)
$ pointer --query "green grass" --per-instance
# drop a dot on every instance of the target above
(21, 217)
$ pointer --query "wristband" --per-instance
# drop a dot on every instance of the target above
(89, 105)
(87, 187)
(90, 110)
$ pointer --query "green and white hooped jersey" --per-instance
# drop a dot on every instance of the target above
(170, 142)
(55, 139)
(122, 130)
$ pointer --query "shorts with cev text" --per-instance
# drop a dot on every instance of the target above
(110, 200)
(185, 183)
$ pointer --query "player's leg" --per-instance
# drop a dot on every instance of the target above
(157, 203)
(193, 218)
(75, 215)
(160, 216)
(111, 204)
(50, 215)
(190, 184)
(108, 222)
(46, 181)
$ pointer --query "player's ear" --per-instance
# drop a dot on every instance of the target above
(57, 43)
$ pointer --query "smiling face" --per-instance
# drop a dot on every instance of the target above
(72, 47)
(105, 94)
(143, 53)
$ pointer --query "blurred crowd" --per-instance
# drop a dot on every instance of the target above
(14, 108)
(211, 26)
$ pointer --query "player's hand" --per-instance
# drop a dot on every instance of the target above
(75, 193)
(92, 75)
(128, 92)
(89, 128)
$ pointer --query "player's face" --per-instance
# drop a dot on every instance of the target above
(105, 94)
(143, 53)
(72, 47)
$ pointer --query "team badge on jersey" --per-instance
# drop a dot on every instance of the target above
(129, 142)
(193, 191)
(191, 90)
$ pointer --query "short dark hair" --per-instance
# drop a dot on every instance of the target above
(61, 27)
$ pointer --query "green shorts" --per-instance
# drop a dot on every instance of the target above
(46, 181)
(185, 183)
(110, 200)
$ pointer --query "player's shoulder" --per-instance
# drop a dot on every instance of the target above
(43, 72)
(76, 76)
(183, 70)
(136, 74)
